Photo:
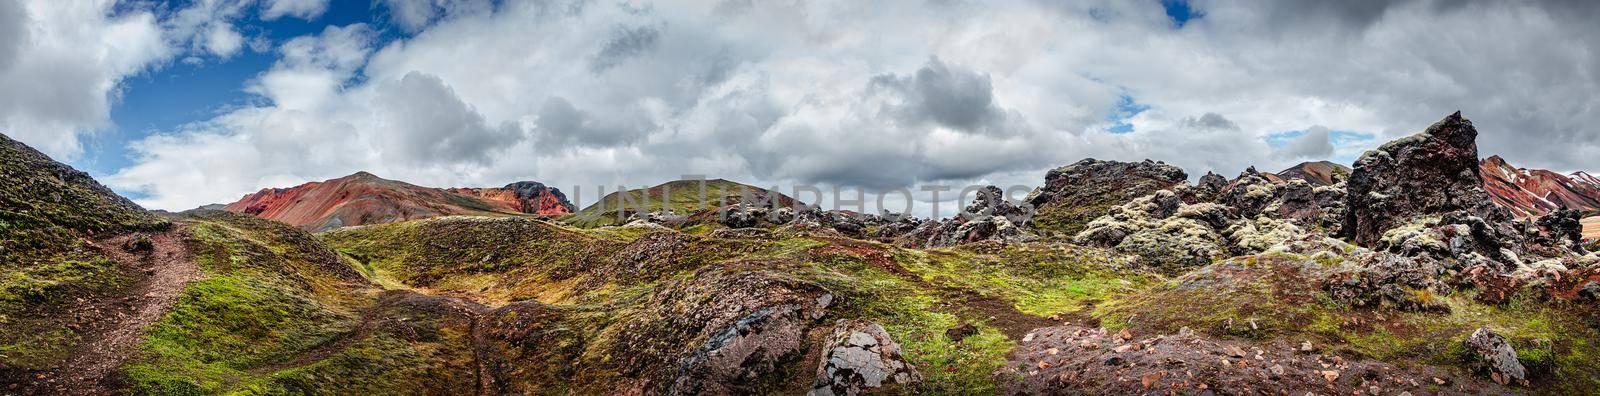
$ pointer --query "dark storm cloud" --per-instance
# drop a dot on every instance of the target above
(954, 97)
(625, 42)
(13, 32)
(1210, 121)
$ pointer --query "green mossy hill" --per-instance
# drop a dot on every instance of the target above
(32, 186)
(278, 312)
(682, 197)
(48, 214)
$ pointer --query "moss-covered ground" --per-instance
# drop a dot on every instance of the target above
(49, 216)
(1276, 297)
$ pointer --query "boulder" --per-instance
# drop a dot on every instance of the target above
(1430, 173)
(747, 350)
(859, 357)
(1559, 229)
(1494, 354)
(1251, 193)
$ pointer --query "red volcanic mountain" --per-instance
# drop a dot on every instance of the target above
(523, 197)
(363, 198)
(1534, 192)
(1320, 173)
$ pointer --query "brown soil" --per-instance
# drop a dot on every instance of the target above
(1079, 360)
(116, 323)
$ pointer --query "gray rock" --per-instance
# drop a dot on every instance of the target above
(860, 356)
(1496, 355)
(747, 350)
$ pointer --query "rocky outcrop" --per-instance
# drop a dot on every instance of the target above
(1186, 227)
(1152, 229)
(989, 217)
(524, 197)
(1496, 356)
(1076, 194)
(860, 357)
(1430, 173)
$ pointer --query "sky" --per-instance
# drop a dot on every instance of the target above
(181, 104)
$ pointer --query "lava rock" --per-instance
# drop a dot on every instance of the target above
(1496, 355)
(1429, 173)
(1076, 194)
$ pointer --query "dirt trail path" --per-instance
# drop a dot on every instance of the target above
(120, 320)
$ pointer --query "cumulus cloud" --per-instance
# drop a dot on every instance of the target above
(882, 94)
(413, 15)
(223, 40)
(303, 9)
(60, 63)
(426, 122)
(1316, 143)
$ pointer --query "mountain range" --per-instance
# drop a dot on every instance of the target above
(1533, 192)
(1419, 269)
(363, 198)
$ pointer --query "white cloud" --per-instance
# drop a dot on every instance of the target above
(223, 41)
(303, 9)
(883, 93)
(1314, 144)
(60, 63)
(413, 15)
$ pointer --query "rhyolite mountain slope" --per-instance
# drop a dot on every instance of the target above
(1229, 287)
(1533, 192)
(1319, 173)
(363, 198)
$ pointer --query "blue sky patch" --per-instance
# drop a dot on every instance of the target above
(209, 86)
(1338, 138)
(1180, 12)
(1125, 108)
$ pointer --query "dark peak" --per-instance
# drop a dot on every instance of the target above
(525, 185)
(362, 175)
(1455, 130)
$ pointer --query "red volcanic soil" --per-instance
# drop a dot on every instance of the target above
(363, 198)
(1321, 173)
(1535, 192)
